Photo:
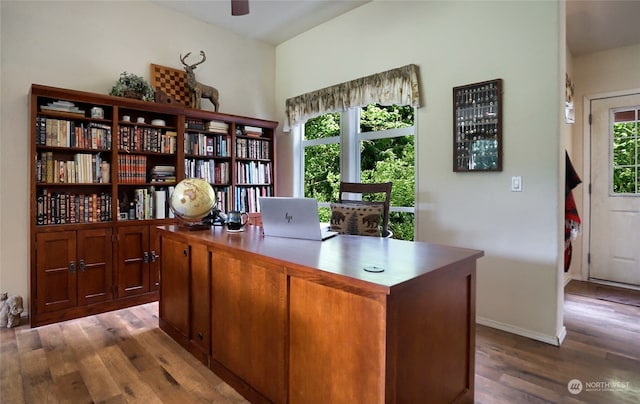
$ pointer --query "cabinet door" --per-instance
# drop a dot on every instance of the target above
(200, 296)
(248, 321)
(95, 271)
(133, 260)
(174, 284)
(56, 269)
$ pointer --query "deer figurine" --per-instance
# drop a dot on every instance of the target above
(199, 90)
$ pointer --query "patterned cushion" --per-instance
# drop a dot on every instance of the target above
(361, 219)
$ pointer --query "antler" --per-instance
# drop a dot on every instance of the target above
(204, 57)
(182, 59)
(193, 66)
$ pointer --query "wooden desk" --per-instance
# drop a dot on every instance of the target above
(299, 321)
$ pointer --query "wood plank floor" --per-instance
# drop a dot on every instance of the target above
(122, 357)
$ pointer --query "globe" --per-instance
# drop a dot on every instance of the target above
(191, 200)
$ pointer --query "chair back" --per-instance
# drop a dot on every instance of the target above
(370, 188)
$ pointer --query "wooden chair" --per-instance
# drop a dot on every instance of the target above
(367, 189)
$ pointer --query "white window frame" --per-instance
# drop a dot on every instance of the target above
(349, 141)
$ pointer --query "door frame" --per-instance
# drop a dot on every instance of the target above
(586, 177)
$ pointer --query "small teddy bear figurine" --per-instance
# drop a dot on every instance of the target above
(10, 310)
(4, 309)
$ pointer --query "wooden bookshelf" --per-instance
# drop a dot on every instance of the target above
(101, 184)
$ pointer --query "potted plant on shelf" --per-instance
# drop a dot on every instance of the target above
(130, 85)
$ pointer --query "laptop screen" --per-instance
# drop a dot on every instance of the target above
(292, 217)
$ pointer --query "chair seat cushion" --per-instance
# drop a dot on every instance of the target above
(362, 219)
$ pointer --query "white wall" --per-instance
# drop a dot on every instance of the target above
(85, 46)
(457, 43)
(596, 73)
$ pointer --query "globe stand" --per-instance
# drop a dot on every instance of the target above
(193, 226)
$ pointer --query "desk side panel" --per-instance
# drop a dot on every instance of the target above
(431, 339)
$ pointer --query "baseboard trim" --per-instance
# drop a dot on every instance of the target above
(549, 339)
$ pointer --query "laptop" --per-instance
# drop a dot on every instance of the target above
(293, 218)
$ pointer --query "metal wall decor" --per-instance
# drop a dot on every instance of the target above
(477, 127)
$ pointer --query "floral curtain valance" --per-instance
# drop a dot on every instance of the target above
(397, 86)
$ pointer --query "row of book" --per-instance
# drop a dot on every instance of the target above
(149, 203)
(254, 131)
(84, 169)
(253, 149)
(68, 208)
(253, 172)
(163, 173)
(200, 144)
(138, 138)
(212, 171)
(217, 127)
(65, 133)
(246, 198)
(210, 126)
(132, 169)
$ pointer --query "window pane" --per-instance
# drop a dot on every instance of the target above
(624, 180)
(390, 159)
(321, 171)
(401, 225)
(624, 146)
(325, 215)
(376, 117)
(324, 126)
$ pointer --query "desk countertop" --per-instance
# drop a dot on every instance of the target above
(343, 256)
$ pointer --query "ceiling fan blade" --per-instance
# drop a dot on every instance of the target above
(239, 7)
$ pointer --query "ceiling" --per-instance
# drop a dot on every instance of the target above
(597, 25)
(592, 25)
(271, 21)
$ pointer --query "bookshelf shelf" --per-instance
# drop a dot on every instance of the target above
(129, 167)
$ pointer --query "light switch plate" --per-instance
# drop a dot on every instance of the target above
(516, 183)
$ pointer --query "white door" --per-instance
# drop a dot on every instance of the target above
(615, 190)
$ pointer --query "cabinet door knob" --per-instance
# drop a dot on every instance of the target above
(154, 257)
(186, 253)
(200, 336)
(72, 266)
(145, 257)
(82, 265)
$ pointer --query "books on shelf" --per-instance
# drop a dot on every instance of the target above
(66, 133)
(146, 203)
(201, 144)
(212, 171)
(192, 123)
(163, 173)
(253, 149)
(254, 131)
(132, 169)
(69, 208)
(253, 172)
(246, 198)
(133, 138)
(83, 169)
(209, 126)
(216, 126)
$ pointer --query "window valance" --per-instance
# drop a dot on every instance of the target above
(397, 86)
